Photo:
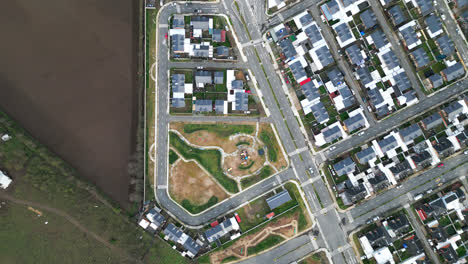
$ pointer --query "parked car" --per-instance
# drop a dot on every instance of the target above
(332, 148)
(440, 165)
(361, 133)
(466, 152)
(311, 170)
(429, 191)
(419, 196)
(200, 67)
(375, 219)
(247, 77)
(442, 16)
(198, 11)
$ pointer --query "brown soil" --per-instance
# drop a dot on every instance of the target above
(205, 138)
(317, 258)
(281, 161)
(284, 227)
(187, 179)
(235, 163)
(68, 75)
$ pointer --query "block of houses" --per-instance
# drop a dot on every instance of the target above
(453, 72)
(445, 45)
(368, 18)
(221, 229)
(463, 138)
(365, 76)
(397, 16)
(218, 77)
(409, 35)
(218, 35)
(379, 181)
(387, 144)
(365, 155)
(436, 80)
(222, 51)
(202, 50)
(175, 235)
(443, 147)
(278, 199)
(178, 21)
(354, 194)
(287, 47)
(401, 170)
(202, 78)
(408, 134)
(331, 133)
(432, 121)
(203, 106)
(303, 19)
(313, 33)
(422, 159)
(179, 43)
(434, 26)
(389, 60)
(354, 123)
(402, 81)
(453, 110)
(379, 39)
(201, 22)
(420, 57)
(448, 253)
(355, 54)
(221, 107)
(424, 7)
(397, 226)
(5, 181)
(241, 102)
(179, 90)
(321, 57)
(344, 167)
(344, 34)
(320, 113)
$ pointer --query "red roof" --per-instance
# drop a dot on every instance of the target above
(305, 81)
(409, 238)
(238, 218)
(215, 223)
(422, 214)
(223, 35)
(248, 91)
(270, 215)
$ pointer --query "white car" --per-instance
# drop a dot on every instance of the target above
(200, 67)
(442, 16)
(361, 133)
(332, 148)
(466, 152)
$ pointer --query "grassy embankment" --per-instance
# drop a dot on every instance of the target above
(221, 130)
(42, 178)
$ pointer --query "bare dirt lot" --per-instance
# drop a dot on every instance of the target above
(186, 177)
(67, 74)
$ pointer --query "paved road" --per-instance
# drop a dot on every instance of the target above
(452, 29)
(203, 118)
(397, 48)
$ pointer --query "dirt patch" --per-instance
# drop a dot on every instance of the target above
(76, 95)
(281, 160)
(285, 227)
(206, 138)
(186, 179)
(317, 258)
(251, 165)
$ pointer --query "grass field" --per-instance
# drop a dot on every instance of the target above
(267, 243)
(194, 209)
(264, 173)
(268, 139)
(209, 159)
(173, 157)
(42, 178)
(317, 258)
(221, 130)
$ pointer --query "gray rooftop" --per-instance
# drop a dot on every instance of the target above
(282, 33)
(287, 48)
(177, 43)
(335, 76)
(310, 91)
(331, 134)
(433, 23)
(364, 75)
(402, 81)
(347, 95)
(387, 143)
(201, 51)
(178, 21)
(454, 72)
(432, 121)
(365, 155)
(219, 106)
(219, 77)
(178, 102)
(306, 19)
(409, 35)
(410, 95)
(313, 33)
(203, 105)
(379, 39)
(368, 18)
(278, 199)
(375, 96)
(324, 56)
(355, 55)
(191, 246)
(453, 109)
(344, 167)
(242, 101)
(222, 51)
(390, 59)
(420, 57)
(172, 232)
(203, 77)
(297, 70)
(425, 6)
(216, 35)
(200, 22)
(319, 112)
(237, 84)
(408, 134)
(355, 122)
(436, 80)
(178, 83)
(397, 15)
(344, 32)
(445, 45)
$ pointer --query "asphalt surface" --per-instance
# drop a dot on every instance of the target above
(333, 235)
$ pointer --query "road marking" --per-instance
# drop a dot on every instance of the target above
(281, 17)
(297, 151)
(313, 241)
(410, 197)
(178, 8)
(350, 217)
(162, 187)
(406, 205)
(163, 25)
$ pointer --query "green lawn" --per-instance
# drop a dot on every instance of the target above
(210, 159)
(221, 130)
(195, 209)
(267, 243)
(264, 173)
(269, 139)
(173, 157)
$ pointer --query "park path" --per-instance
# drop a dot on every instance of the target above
(68, 217)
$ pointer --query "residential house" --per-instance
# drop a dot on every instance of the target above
(368, 19)
(409, 36)
(463, 138)
(178, 21)
(448, 253)
(453, 72)
(402, 81)
(401, 170)
(321, 115)
(222, 51)
(443, 147)
(313, 33)
(177, 236)
(434, 26)
(364, 76)
(387, 144)
(453, 110)
(379, 181)
(422, 159)
(221, 229)
(332, 134)
(310, 91)
(221, 107)
(379, 237)
(303, 19)
(200, 22)
(420, 57)
(445, 45)
(156, 219)
(202, 78)
(436, 80)
(241, 102)
(408, 98)
(432, 121)
(329, 9)
(278, 199)
(218, 35)
(398, 225)
(344, 34)
(397, 16)
(354, 194)
(408, 134)
(424, 7)
(201, 50)
(178, 43)
(281, 32)
(344, 167)
(336, 77)
(365, 155)
(378, 39)
(389, 60)
(345, 99)
(355, 54)
(298, 71)
(219, 77)
(5, 181)
(287, 47)
(354, 123)
(177, 102)
(203, 106)
(322, 57)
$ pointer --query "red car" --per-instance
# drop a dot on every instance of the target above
(165, 36)
(440, 165)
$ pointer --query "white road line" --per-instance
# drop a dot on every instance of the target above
(162, 187)
(350, 217)
(163, 25)
(297, 151)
